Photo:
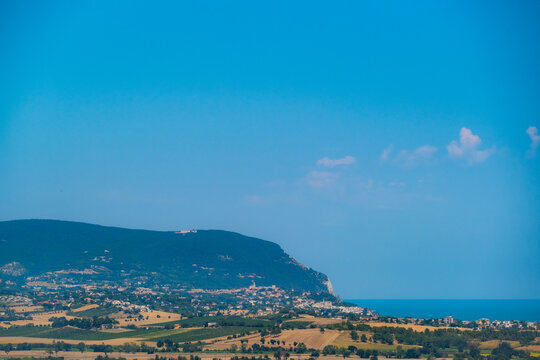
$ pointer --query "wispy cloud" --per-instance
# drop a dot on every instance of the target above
(411, 158)
(532, 131)
(319, 179)
(386, 152)
(467, 148)
(408, 158)
(327, 162)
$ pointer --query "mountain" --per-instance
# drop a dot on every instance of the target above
(198, 258)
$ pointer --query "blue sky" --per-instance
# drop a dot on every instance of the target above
(392, 146)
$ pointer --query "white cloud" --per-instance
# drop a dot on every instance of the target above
(467, 147)
(347, 160)
(532, 131)
(410, 158)
(319, 179)
(424, 151)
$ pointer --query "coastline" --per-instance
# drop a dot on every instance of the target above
(462, 309)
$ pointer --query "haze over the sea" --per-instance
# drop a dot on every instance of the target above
(461, 309)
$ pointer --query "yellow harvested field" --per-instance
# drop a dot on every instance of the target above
(41, 318)
(317, 320)
(222, 343)
(85, 307)
(531, 348)
(418, 328)
(313, 338)
(33, 340)
(149, 318)
(344, 340)
(492, 344)
(23, 309)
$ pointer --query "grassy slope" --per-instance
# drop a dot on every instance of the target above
(99, 312)
(202, 334)
(48, 245)
(70, 333)
(230, 321)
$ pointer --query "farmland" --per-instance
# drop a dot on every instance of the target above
(211, 335)
(412, 326)
(148, 323)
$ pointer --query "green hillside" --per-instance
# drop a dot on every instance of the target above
(205, 259)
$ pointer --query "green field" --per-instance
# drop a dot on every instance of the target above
(70, 333)
(22, 331)
(201, 334)
(222, 321)
(98, 312)
(154, 334)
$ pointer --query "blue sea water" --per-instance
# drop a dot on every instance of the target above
(525, 310)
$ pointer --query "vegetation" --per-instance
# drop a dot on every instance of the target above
(57, 244)
(94, 323)
(201, 334)
(100, 311)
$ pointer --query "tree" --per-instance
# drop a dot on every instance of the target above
(330, 349)
(301, 348)
(81, 347)
(8, 347)
(363, 338)
(354, 335)
(474, 352)
(130, 347)
(412, 353)
(503, 351)
(58, 346)
(400, 353)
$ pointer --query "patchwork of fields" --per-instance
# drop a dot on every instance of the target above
(215, 334)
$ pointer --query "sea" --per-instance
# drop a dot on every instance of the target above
(523, 310)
